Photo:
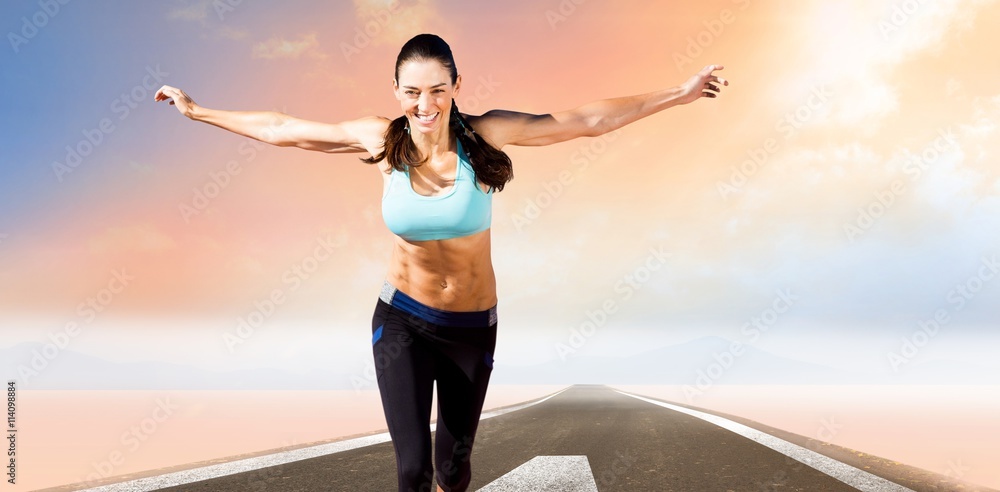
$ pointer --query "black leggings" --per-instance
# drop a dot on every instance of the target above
(415, 345)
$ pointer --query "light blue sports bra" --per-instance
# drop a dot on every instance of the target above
(461, 211)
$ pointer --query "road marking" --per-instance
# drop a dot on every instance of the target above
(859, 479)
(249, 464)
(547, 473)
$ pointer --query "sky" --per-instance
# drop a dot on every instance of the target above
(838, 204)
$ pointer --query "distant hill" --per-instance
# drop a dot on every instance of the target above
(695, 362)
(703, 360)
(73, 370)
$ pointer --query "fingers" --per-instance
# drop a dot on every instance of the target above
(711, 85)
(711, 90)
(162, 94)
(707, 71)
(721, 80)
(712, 68)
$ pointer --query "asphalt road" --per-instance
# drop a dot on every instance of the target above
(629, 444)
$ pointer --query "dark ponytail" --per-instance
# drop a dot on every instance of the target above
(491, 165)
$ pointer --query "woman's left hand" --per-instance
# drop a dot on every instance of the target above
(702, 84)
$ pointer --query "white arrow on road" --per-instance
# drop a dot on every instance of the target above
(547, 473)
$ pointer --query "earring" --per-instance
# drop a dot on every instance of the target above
(407, 128)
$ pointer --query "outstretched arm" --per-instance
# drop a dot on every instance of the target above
(275, 128)
(502, 127)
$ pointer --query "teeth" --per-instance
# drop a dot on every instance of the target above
(427, 117)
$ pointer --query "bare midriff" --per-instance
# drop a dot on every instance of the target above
(449, 274)
(454, 274)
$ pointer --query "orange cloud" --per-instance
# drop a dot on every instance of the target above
(278, 47)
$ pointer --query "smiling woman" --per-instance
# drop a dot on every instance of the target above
(436, 316)
(426, 83)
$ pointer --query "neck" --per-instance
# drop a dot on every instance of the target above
(435, 143)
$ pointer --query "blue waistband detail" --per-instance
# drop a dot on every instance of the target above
(409, 305)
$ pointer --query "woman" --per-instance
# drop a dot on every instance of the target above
(435, 319)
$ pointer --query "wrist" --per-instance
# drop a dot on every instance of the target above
(195, 112)
(674, 96)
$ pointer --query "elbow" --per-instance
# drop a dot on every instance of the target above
(597, 126)
(276, 129)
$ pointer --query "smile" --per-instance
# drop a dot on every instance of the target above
(427, 119)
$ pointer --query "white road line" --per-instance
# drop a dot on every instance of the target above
(547, 474)
(249, 464)
(859, 479)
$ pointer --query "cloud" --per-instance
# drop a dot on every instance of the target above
(232, 33)
(394, 22)
(985, 112)
(194, 12)
(953, 87)
(870, 101)
(278, 47)
(925, 30)
(198, 11)
(855, 47)
(141, 237)
(142, 167)
(245, 263)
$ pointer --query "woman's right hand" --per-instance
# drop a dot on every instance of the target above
(701, 84)
(178, 98)
(282, 130)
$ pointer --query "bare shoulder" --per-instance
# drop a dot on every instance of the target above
(369, 131)
(500, 127)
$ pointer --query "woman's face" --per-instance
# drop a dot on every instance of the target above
(425, 93)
